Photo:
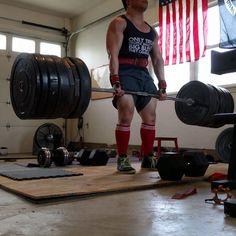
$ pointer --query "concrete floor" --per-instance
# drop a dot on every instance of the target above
(139, 213)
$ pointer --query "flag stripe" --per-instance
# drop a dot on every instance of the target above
(195, 32)
(182, 30)
(188, 31)
(181, 42)
(167, 34)
(174, 34)
(205, 29)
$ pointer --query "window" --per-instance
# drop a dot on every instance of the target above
(3, 42)
(23, 45)
(205, 75)
(176, 76)
(204, 65)
(50, 49)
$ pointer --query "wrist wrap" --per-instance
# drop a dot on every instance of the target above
(162, 84)
(114, 79)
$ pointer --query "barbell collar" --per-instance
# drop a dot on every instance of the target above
(187, 101)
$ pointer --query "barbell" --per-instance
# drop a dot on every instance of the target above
(187, 101)
(50, 87)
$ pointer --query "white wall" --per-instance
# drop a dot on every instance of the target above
(18, 134)
(11, 18)
(100, 117)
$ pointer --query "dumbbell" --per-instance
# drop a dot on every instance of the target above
(59, 156)
(92, 157)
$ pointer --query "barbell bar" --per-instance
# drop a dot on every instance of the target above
(187, 101)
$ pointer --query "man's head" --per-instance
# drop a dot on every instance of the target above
(140, 5)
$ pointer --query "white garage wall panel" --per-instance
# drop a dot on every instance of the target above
(18, 134)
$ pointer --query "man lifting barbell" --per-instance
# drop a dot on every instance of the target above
(130, 42)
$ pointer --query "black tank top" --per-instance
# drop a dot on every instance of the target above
(136, 44)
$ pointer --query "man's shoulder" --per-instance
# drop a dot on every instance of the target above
(119, 21)
(120, 18)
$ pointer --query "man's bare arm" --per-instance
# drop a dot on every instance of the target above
(157, 61)
(114, 41)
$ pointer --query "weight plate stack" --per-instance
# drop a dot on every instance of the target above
(49, 87)
(209, 100)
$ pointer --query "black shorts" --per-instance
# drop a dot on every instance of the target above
(133, 78)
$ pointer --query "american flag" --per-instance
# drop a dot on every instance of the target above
(182, 30)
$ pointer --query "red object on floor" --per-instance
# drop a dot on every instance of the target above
(217, 176)
(185, 194)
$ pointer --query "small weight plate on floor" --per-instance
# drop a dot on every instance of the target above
(44, 157)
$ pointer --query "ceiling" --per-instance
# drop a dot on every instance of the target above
(63, 8)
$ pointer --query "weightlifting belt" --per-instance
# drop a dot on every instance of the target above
(141, 62)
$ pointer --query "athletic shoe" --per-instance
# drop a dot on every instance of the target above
(124, 166)
(149, 162)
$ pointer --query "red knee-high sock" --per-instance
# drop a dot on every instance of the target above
(147, 133)
(122, 138)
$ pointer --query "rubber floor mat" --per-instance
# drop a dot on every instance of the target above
(37, 173)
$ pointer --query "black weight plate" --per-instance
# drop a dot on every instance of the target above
(223, 144)
(229, 101)
(199, 92)
(216, 97)
(221, 100)
(85, 87)
(66, 91)
(53, 87)
(44, 82)
(224, 98)
(220, 107)
(76, 98)
(213, 107)
(71, 81)
(44, 158)
(25, 86)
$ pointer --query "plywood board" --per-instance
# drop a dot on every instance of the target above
(96, 180)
